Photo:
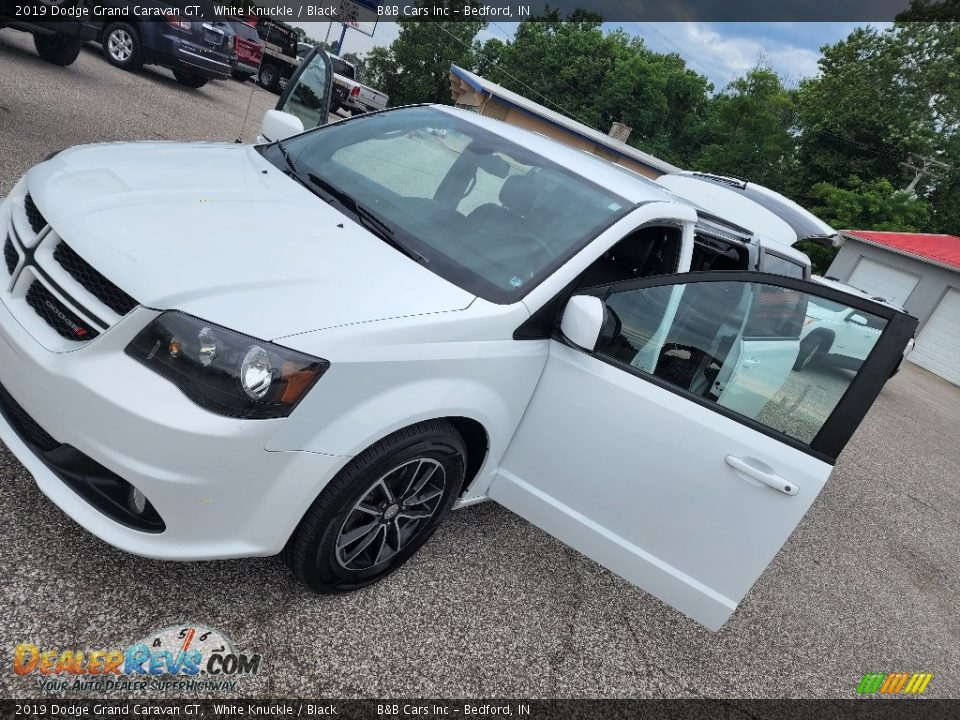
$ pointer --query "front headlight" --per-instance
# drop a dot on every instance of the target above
(224, 371)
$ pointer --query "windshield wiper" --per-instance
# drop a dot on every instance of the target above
(286, 157)
(367, 218)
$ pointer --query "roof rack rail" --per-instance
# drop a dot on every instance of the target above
(721, 179)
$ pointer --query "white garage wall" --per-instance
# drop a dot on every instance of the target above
(938, 345)
(883, 280)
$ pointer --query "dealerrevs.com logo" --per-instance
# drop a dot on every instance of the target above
(899, 683)
(181, 657)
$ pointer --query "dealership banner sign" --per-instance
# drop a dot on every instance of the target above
(360, 13)
(499, 708)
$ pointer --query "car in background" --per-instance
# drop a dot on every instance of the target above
(837, 335)
(280, 59)
(57, 43)
(248, 51)
(304, 49)
(350, 93)
(195, 50)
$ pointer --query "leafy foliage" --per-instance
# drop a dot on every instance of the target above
(873, 205)
(820, 256)
(415, 68)
(750, 131)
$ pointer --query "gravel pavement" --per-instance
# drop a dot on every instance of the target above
(870, 582)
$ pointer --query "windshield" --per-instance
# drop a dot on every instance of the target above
(482, 212)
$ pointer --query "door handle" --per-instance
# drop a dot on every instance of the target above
(750, 363)
(770, 479)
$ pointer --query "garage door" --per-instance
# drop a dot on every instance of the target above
(890, 283)
(938, 347)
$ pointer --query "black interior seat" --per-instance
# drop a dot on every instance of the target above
(517, 195)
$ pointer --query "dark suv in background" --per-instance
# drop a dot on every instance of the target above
(195, 50)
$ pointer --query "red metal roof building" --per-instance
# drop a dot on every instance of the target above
(921, 273)
(941, 249)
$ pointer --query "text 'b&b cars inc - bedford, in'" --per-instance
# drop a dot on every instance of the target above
(453, 309)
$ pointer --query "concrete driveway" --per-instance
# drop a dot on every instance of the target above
(870, 582)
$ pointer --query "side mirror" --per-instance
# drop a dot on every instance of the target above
(582, 321)
(858, 320)
(279, 125)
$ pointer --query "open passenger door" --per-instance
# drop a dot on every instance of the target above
(675, 444)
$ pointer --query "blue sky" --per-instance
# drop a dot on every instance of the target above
(721, 51)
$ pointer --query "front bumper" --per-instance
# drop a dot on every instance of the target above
(246, 67)
(219, 493)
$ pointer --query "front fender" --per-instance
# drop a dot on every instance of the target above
(355, 404)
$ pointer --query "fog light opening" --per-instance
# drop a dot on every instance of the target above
(137, 500)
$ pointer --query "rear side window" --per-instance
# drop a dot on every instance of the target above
(781, 266)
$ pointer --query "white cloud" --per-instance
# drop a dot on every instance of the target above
(722, 57)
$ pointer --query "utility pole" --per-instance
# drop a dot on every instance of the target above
(921, 166)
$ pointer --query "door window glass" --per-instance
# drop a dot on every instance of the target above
(307, 97)
(742, 346)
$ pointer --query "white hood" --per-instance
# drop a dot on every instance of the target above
(216, 231)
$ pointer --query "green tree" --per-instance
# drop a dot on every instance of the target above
(880, 97)
(750, 131)
(572, 66)
(872, 205)
(932, 10)
(820, 256)
(415, 67)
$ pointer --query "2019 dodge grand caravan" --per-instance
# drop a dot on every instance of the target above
(492, 317)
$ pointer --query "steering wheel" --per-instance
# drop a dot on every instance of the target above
(538, 242)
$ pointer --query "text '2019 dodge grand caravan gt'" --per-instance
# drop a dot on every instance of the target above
(428, 307)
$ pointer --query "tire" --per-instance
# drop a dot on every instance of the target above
(268, 77)
(809, 351)
(335, 549)
(57, 49)
(189, 79)
(334, 106)
(122, 46)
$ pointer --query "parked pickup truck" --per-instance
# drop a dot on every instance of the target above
(57, 43)
(350, 93)
(280, 59)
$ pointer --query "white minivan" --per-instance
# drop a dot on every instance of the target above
(323, 344)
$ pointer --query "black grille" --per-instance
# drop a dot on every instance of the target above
(10, 255)
(95, 283)
(37, 221)
(58, 316)
(24, 425)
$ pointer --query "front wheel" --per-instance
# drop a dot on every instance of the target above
(378, 511)
(56, 49)
(189, 79)
(121, 45)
